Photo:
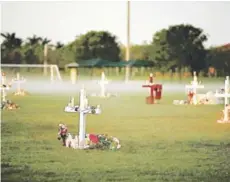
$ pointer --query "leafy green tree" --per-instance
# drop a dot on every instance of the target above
(62, 54)
(56, 55)
(68, 54)
(219, 58)
(97, 44)
(31, 57)
(160, 53)
(137, 52)
(186, 46)
(180, 45)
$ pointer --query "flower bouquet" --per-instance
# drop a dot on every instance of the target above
(9, 105)
(102, 141)
(21, 92)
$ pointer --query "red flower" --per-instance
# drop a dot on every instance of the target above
(93, 138)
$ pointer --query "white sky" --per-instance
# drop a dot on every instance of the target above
(62, 21)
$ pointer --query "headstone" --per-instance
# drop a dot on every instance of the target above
(194, 86)
(155, 91)
(226, 96)
(83, 109)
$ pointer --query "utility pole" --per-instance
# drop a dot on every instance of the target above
(128, 42)
(45, 59)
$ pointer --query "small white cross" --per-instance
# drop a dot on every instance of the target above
(226, 96)
(102, 84)
(4, 87)
(19, 80)
(194, 86)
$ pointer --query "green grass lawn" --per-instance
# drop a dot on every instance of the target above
(159, 142)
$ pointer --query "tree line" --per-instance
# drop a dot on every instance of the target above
(175, 48)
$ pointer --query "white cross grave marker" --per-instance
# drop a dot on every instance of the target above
(194, 86)
(19, 80)
(102, 84)
(83, 109)
(226, 96)
(4, 87)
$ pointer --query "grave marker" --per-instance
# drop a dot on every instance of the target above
(226, 96)
(194, 86)
(155, 90)
(4, 87)
(82, 109)
(102, 84)
(19, 80)
(103, 93)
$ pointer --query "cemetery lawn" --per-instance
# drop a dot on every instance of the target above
(159, 142)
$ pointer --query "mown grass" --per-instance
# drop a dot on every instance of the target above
(159, 142)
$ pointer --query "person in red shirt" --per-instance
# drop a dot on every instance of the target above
(62, 132)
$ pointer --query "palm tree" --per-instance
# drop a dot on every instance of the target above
(34, 40)
(59, 45)
(45, 41)
(11, 41)
(9, 47)
(32, 53)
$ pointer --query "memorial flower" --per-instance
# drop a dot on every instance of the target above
(9, 105)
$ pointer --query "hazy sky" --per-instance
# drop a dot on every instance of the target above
(62, 21)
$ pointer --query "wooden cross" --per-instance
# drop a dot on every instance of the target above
(226, 96)
(102, 84)
(4, 87)
(82, 109)
(151, 78)
(153, 89)
(19, 80)
(150, 84)
(194, 86)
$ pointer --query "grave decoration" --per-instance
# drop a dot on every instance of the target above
(192, 97)
(4, 87)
